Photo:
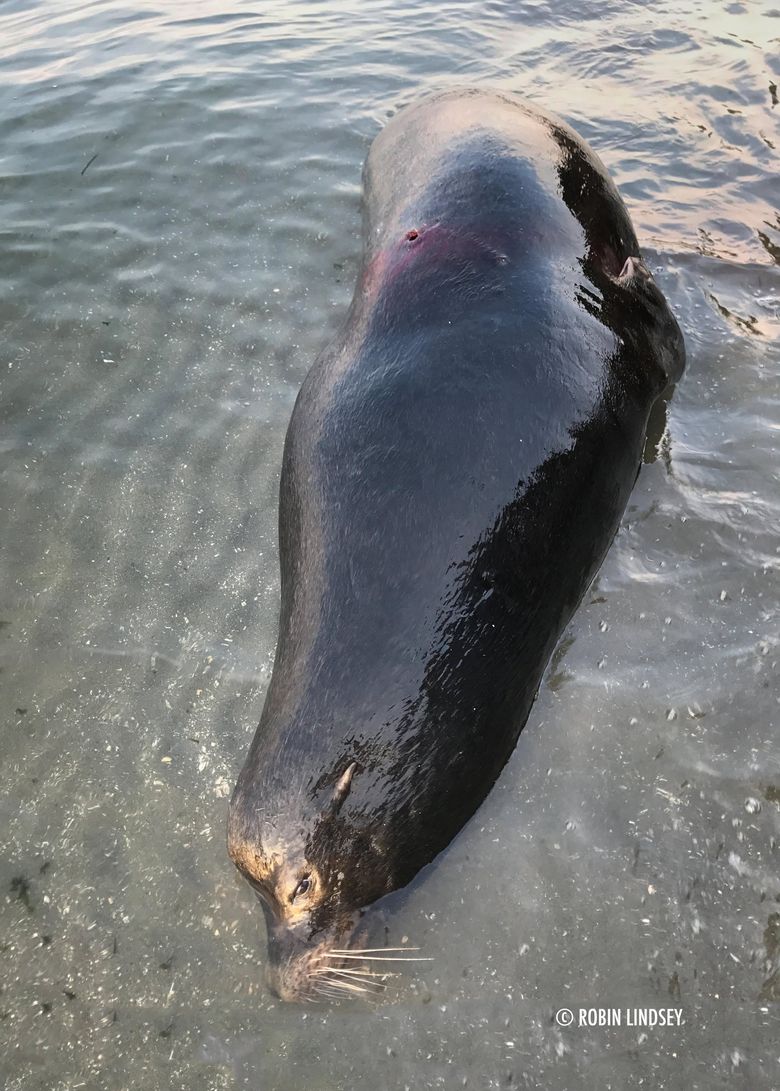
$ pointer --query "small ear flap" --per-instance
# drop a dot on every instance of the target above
(636, 270)
(341, 789)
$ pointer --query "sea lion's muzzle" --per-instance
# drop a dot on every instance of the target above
(331, 964)
(289, 957)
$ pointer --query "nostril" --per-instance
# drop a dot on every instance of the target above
(287, 964)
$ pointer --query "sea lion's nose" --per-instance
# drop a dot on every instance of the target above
(272, 983)
(283, 967)
(273, 973)
(280, 987)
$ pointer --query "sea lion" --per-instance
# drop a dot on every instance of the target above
(456, 466)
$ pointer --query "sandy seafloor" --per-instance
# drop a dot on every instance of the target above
(179, 235)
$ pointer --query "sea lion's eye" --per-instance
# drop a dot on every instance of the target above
(303, 887)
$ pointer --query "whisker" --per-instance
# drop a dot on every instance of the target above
(351, 987)
(373, 958)
(351, 978)
(324, 984)
(348, 986)
(339, 989)
(355, 973)
(368, 950)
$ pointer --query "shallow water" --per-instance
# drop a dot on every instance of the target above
(179, 216)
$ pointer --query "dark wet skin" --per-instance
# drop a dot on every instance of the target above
(457, 464)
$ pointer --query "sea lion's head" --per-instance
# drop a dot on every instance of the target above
(313, 871)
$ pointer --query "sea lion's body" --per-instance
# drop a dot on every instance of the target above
(457, 464)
